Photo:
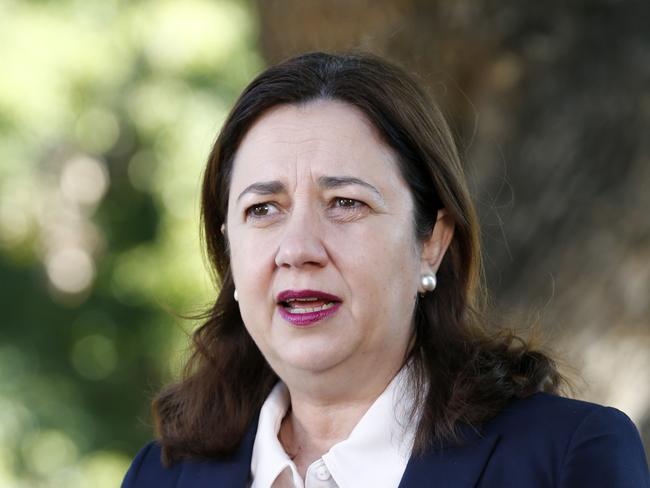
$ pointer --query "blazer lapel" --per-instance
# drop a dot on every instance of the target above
(446, 467)
(450, 466)
(232, 472)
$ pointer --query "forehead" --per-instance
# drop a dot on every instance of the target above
(322, 137)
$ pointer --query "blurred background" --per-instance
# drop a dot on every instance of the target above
(108, 109)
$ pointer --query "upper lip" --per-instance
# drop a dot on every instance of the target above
(286, 295)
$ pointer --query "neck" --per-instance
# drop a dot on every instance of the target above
(320, 418)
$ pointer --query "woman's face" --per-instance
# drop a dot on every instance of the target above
(322, 245)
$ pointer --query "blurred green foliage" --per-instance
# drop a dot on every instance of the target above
(107, 112)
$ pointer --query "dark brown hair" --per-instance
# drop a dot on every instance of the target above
(465, 372)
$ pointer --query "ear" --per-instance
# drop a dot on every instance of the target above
(434, 248)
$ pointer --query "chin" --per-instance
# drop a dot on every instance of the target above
(312, 358)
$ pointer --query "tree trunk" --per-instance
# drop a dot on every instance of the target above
(551, 105)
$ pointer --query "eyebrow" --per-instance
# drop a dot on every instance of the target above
(330, 182)
(264, 188)
(327, 182)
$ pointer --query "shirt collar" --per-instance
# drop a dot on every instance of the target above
(375, 453)
(269, 457)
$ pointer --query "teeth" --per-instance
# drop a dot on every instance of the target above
(310, 299)
(309, 310)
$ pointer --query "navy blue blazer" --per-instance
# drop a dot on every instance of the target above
(542, 441)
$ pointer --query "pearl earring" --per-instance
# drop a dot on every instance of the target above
(428, 282)
(236, 295)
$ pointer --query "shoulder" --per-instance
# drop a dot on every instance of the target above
(147, 469)
(554, 416)
(580, 442)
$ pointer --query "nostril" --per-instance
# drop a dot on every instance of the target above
(298, 253)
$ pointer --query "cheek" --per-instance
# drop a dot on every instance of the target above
(251, 257)
(386, 246)
(379, 263)
(252, 265)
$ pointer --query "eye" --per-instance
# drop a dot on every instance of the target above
(347, 203)
(261, 210)
(345, 209)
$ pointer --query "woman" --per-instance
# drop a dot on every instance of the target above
(346, 347)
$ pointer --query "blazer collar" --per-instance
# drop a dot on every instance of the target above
(451, 466)
(233, 471)
(446, 467)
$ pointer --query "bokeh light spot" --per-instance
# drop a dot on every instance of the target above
(49, 451)
(16, 211)
(70, 270)
(142, 167)
(97, 130)
(94, 356)
(84, 180)
(104, 469)
(209, 31)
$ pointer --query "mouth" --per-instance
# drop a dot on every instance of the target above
(304, 307)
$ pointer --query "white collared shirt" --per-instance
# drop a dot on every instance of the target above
(375, 454)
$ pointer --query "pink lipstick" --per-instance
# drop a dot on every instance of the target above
(305, 307)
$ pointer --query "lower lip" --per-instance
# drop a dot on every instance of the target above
(309, 318)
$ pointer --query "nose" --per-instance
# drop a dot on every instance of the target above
(301, 245)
